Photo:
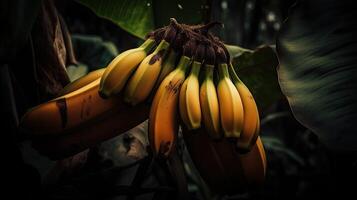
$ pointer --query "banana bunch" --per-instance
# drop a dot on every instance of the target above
(181, 75)
(203, 90)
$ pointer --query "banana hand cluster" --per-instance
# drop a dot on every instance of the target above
(183, 71)
(209, 93)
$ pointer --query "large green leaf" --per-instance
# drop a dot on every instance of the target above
(257, 69)
(134, 16)
(317, 49)
(139, 17)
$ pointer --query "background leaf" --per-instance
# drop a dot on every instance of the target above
(317, 49)
(134, 16)
(257, 69)
(139, 17)
(93, 51)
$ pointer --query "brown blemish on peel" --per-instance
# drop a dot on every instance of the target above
(62, 107)
(156, 57)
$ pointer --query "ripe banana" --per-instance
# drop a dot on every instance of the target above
(163, 121)
(230, 104)
(254, 163)
(251, 115)
(145, 76)
(119, 119)
(81, 82)
(81, 117)
(68, 111)
(209, 104)
(189, 101)
(223, 168)
(120, 69)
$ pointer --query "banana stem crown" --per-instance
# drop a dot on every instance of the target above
(209, 72)
(184, 63)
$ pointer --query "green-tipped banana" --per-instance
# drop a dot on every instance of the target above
(209, 104)
(120, 69)
(190, 108)
(230, 104)
(144, 78)
(251, 123)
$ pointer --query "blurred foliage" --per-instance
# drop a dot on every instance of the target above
(250, 23)
(76, 71)
(318, 71)
(257, 69)
(93, 51)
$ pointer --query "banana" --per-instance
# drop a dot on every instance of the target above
(209, 104)
(85, 80)
(68, 111)
(260, 147)
(119, 70)
(224, 169)
(119, 119)
(254, 163)
(163, 121)
(251, 115)
(142, 82)
(230, 104)
(189, 102)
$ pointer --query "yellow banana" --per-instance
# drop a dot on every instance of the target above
(142, 82)
(251, 115)
(230, 104)
(68, 111)
(163, 121)
(189, 102)
(119, 119)
(254, 163)
(85, 80)
(121, 67)
(209, 104)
